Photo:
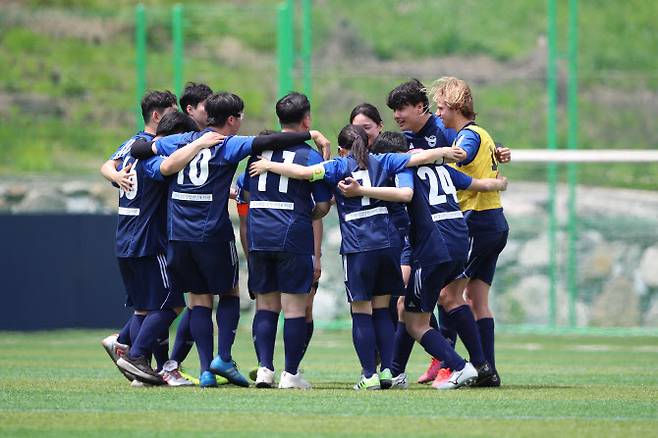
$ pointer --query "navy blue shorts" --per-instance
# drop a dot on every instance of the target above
(203, 267)
(372, 273)
(147, 283)
(483, 253)
(425, 285)
(278, 271)
(405, 257)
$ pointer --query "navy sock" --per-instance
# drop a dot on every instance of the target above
(201, 329)
(254, 324)
(294, 335)
(161, 348)
(446, 327)
(393, 309)
(124, 334)
(363, 336)
(265, 337)
(486, 328)
(309, 335)
(135, 325)
(437, 346)
(184, 341)
(402, 346)
(384, 333)
(154, 325)
(464, 323)
(433, 322)
(228, 315)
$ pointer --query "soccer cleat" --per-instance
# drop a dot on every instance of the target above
(137, 384)
(370, 383)
(442, 377)
(190, 377)
(429, 375)
(400, 381)
(207, 380)
(115, 350)
(463, 377)
(253, 373)
(140, 368)
(492, 382)
(292, 381)
(229, 370)
(264, 378)
(485, 373)
(385, 378)
(171, 375)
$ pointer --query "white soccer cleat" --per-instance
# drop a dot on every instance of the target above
(463, 377)
(400, 381)
(265, 378)
(113, 348)
(172, 376)
(294, 381)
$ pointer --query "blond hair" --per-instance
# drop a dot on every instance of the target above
(456, 94)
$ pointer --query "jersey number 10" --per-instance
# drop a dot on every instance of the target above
(197, 170)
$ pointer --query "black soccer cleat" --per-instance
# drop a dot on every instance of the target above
(493, 382)
(487, 377)
(140, 368)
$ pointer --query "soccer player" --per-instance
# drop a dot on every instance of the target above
(424, 130)
(201, 253)
(438, 238)
(193, 102)
(367, 116)
(281, 247)
(144, 230)
(154, 105)
(487, 226)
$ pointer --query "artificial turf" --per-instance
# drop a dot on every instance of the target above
(62, 383)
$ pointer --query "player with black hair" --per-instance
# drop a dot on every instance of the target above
(193, 101)
(201, 255)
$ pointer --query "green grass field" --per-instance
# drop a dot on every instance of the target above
(62, 383)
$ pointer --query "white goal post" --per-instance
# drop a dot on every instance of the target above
(584, 155)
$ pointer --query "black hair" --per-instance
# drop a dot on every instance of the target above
(292, 108)
(389, 141)
(268, 132)
(412, 93)
(194, 94)
(174, 123)
(367, 110)
(220, 106)
(156, 101)
(355, 139)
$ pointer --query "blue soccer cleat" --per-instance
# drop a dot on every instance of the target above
(229, 370)
(207, 380)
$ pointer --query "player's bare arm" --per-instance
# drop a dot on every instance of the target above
(429, 156)
(180, 158)
(122, 178)
(498, 184)
(295, 171)
(351, 188)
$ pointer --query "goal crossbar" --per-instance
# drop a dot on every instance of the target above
(583, 156)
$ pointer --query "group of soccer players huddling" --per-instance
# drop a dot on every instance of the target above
(420, 216)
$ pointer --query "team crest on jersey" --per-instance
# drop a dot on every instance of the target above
(431, 141)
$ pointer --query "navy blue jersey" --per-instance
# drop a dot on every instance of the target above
(124, 149)
(141, 226)
(397, 210)
(239, 185)
(433, 135)
(438, 232)
(365, 223)
(280, 208)
(198, 195)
